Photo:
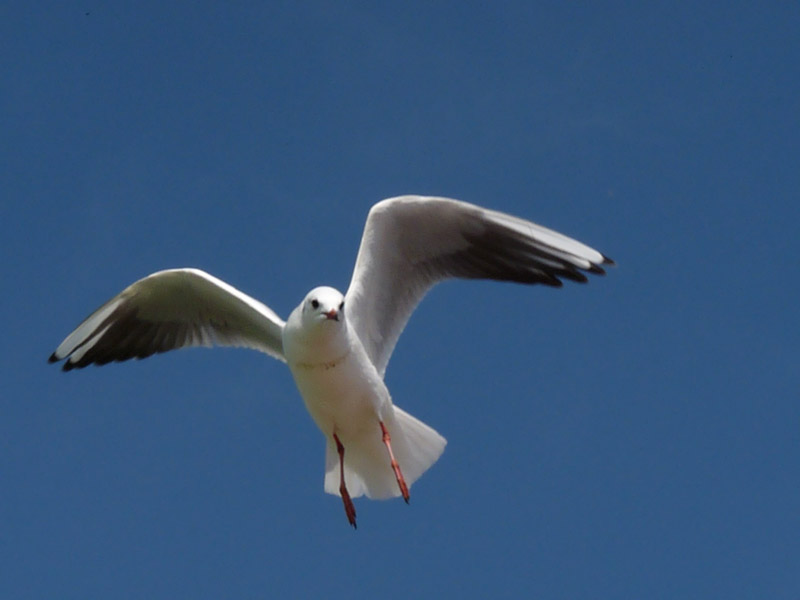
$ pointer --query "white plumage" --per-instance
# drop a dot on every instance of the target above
(338, 346)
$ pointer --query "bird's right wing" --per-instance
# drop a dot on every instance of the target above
(167, 310)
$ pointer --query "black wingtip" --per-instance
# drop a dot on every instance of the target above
(67, 366)
(596, 269)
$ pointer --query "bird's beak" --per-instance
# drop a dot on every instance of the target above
(332, 314)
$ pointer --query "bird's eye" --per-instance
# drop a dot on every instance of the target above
(315, 303)
(341, 305)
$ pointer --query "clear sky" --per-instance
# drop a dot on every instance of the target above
(636, 437)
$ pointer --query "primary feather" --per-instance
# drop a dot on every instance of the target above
(168, 310)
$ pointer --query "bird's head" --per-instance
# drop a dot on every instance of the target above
(316, 329)
(323, 307)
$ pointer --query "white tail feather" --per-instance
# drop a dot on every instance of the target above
(367, 467)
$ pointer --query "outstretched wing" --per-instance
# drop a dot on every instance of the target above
(169, 310)
(412, 242)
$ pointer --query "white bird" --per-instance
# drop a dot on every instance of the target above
(338, 346)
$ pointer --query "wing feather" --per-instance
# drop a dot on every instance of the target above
(167, 310)
(412, 242)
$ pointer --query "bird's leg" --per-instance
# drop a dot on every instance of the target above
(401, 482)
(349, 508)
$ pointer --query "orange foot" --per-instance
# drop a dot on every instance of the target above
(349, 508)
(401, 481)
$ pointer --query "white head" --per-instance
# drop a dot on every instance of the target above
(321, 313)
(316, 329)
(322, 305)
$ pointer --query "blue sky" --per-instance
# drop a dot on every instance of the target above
(636, 437)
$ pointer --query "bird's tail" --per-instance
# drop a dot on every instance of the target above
(367, 467)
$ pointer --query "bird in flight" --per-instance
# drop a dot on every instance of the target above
(336, 345)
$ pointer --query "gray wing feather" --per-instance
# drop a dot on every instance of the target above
(412, 242)
(167, 310)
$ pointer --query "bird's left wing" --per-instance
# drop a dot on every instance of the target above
(412, 242)
(167, 310)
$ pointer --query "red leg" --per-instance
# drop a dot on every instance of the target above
(401, 482)
(349, 508)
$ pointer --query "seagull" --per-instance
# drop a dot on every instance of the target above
(337, 346)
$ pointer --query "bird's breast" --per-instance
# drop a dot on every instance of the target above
(341, 394)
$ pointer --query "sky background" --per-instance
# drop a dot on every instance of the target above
(636, 437)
